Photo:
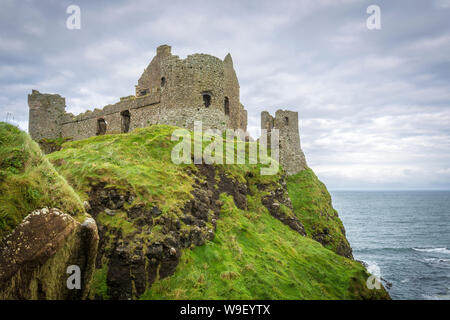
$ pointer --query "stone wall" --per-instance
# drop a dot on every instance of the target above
(143, 111)
(292, 157)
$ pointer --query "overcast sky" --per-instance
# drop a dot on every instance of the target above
(374, 105)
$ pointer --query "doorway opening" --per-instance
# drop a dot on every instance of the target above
(125, 124)
(101, 126)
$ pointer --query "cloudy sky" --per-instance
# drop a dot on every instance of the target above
(374, 105)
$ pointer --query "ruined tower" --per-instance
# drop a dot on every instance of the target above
(46, 112)
(292, 157)
(200, 87)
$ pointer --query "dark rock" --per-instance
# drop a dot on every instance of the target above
(156, 211)
(278, 196)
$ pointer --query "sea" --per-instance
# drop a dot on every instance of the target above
(403, 237)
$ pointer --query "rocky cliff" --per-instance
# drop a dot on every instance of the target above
(202, 231)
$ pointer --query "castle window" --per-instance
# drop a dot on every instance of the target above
(143, 92)
(206, 99)
(101, 126)
(226, 106)
(163, 82)
(125, 124)
(286, 120)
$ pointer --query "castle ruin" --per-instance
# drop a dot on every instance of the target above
(291, 155)
(170, 91)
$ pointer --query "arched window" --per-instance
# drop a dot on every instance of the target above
(163, 82)
(226, 106)
(206, 99)
(286, 120)
(125, 124)
(101, 126)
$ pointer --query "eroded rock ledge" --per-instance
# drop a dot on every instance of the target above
(35, 256)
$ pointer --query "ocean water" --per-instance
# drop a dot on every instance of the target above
(403, 236)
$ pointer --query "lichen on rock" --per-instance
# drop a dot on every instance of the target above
(34, 258)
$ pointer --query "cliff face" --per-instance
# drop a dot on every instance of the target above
(312, 205)
(38, 244)
(206, 231)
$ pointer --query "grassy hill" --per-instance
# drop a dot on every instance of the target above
(206, 232)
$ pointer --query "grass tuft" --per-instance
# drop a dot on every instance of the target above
(28, 181)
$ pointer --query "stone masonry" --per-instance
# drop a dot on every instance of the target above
(170, 91)
(292, 157)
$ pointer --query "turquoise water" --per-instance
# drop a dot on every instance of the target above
(404, 237)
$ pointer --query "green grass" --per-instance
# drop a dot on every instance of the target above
(138, 162)
(52, 145)
(28, 181)
(312, 205)
(254, 256)
(99, 283)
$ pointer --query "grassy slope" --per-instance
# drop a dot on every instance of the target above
(253, 255)
(312, 205)
(28, 181)
(138, 162)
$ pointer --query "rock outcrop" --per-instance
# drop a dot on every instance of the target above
(133, 264)
(34, 258)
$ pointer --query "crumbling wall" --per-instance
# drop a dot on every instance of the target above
(291, 155)
(183, 82)
(45, 114)
(151, 78)
(85, 125)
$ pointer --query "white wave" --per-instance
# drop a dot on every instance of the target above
(436, 260)
(434, 250)
(373, 268)
(404, 280)
(436, 296)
